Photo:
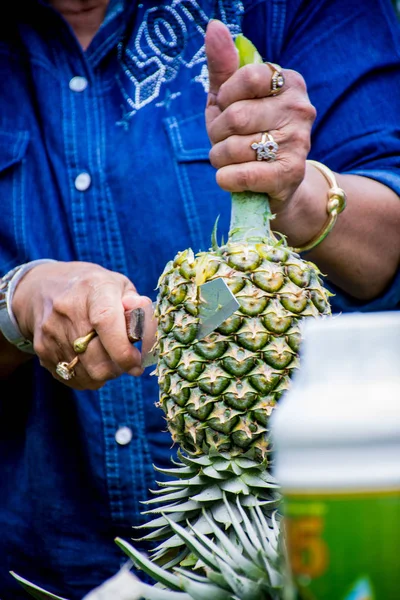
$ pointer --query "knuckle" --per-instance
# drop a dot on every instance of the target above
(101, 316)
(295, 80)
(300, 139)
(213, 156)
(237, 118)
(303, 109)
(253, 79)
(61, 306)
(47, 329)
(231, 146)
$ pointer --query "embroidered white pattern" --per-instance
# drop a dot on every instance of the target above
(161, 47)
(203, 78)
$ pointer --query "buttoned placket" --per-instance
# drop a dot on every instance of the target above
(96, 231)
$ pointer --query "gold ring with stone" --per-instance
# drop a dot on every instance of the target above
(277, 79)
(66, 370)
(266, 148)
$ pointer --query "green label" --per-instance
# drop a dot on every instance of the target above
(344, 546)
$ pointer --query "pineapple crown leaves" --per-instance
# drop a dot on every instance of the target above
(245, 578)
(247, 52)
(205, 481)
(34, 590)
(242, 566)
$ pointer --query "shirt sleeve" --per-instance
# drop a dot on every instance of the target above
(349, 55)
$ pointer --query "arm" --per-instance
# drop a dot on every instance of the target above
(361, 254)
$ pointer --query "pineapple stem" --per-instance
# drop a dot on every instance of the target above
(250, 217)
(251, 213)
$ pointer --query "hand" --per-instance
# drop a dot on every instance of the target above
(56, 303)
(240, 108)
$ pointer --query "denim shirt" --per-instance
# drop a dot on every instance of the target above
(104, 158)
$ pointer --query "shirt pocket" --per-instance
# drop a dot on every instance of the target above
(201, 198)
(13, 146)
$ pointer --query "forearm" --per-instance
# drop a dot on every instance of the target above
(10, 357)
(362, 252)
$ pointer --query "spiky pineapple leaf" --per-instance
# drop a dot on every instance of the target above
(247, 545)
(185, 507)
(154, 593)
(176, 495)
(214, 241)
(34, 590)
(233, 551)
(194, 545)
(244, 588)
(211, 494)
(212, 547)
(205, 591)
(141, 561)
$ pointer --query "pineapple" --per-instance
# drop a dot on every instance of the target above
(217, 521)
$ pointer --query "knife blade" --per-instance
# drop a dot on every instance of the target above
(217, 304)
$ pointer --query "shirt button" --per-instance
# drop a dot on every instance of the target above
(83, 181)
(78, 84)
(123, 436)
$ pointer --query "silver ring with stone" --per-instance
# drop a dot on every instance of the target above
(266, 149)
(277, 79)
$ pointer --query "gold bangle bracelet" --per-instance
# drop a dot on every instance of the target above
(336, 204)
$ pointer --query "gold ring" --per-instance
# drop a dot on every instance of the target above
(80, 344)
(66, 370)
(277, 79)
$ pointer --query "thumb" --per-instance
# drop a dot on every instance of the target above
(222, 58)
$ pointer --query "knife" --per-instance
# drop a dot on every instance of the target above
(217, 304)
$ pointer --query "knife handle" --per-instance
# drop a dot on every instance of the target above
(134, 320)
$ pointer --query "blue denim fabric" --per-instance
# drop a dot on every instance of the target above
(67, 487)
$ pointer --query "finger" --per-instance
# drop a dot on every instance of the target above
(107, 316)
(278, 179)
(222, 61)
(246, 117)
(250, 117)
(237, 149)
(95, 367)
(255, 81)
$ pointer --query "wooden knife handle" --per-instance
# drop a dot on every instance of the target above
(134, 320)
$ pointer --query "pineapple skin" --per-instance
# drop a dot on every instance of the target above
(218, 393)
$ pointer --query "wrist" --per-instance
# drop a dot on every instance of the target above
(10, 321)
(305, 214)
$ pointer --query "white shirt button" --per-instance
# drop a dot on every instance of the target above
(78, 84)
(83, 181)
(123, 436)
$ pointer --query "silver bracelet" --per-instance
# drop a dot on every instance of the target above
(8, 323)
